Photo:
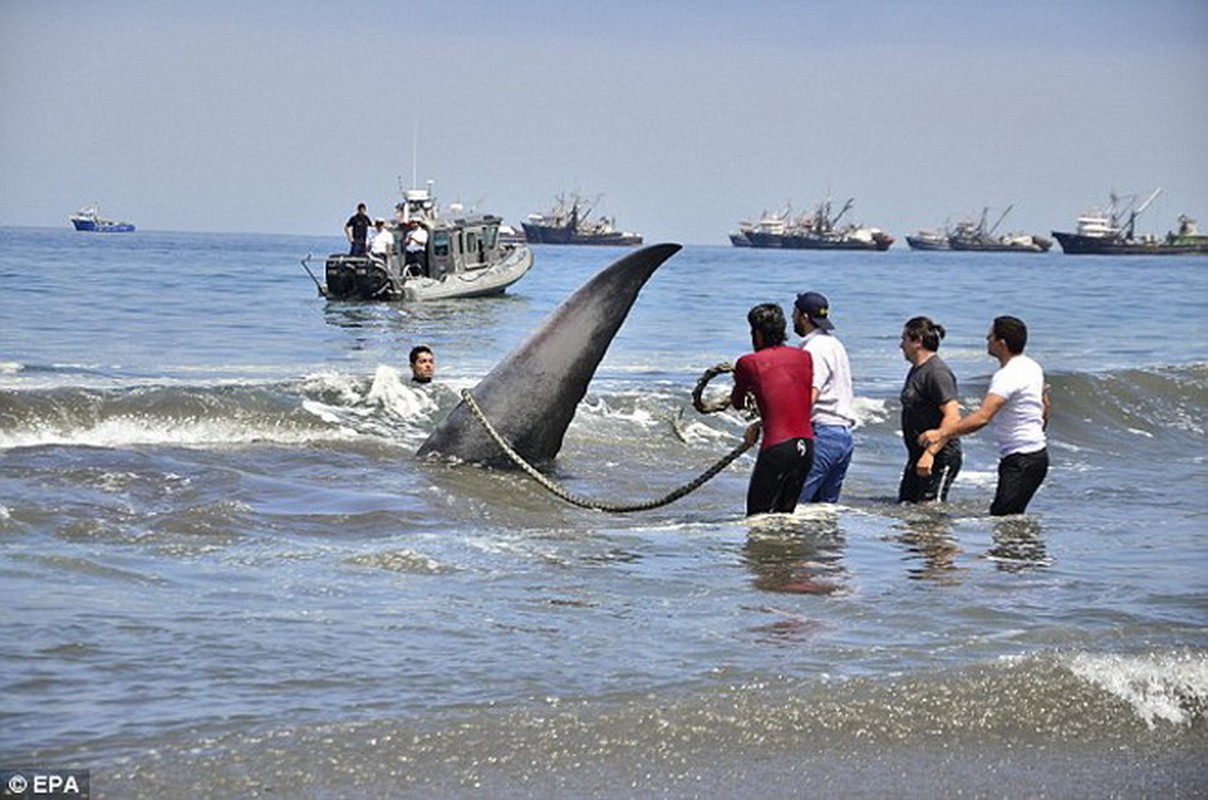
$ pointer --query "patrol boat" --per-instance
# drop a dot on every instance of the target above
(465, 255)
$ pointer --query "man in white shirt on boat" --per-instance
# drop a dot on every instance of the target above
(383, 241)
(416, 245)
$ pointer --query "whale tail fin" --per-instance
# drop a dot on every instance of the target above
(531, 396)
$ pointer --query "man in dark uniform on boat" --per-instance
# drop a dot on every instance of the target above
(357, 231)
(781, 378)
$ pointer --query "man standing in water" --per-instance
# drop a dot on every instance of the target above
(833, 399)
(423, 364)
(1017, 407)
(780, 378)
(929, 400)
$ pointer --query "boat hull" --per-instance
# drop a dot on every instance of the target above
(1077, 245)
(789, 241)
(101, 226)
(1037, 244)
(921, 243)
(361, 278)
(549, 234)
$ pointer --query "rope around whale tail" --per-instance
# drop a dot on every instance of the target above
(616, 508)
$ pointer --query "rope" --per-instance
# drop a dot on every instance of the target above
(577, 500)
(750, 408)
(711, 406)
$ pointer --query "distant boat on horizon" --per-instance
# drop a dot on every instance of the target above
(819, 231)
(970, 236)
(929, 239)
(1103, 232)
(768, 222)
(569, 223)
(89, 219)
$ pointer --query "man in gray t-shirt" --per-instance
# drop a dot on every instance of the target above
(928, 397)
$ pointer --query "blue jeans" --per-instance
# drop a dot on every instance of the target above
(833, 446)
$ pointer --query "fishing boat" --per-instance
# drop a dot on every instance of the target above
(929, 239)
(571, 223)
(1112, 232)
(464, 256)
(970, 236)
(819, 231)
(89, 219)
(768, 222)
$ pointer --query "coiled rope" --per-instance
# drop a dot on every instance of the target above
(597, 505)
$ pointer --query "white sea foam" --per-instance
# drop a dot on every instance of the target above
(870, 410)
(1171, 688)
(391, 394)
(388, 405)
(134, 431)
(637, 414)
(697, 432)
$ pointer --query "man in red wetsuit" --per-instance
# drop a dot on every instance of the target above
(782, 380)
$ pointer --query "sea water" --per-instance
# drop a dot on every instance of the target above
(224, 573)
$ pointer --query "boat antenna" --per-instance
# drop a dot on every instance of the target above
(414, 150)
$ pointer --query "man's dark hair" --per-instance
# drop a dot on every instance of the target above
(417, 350)
(924, 330)
(1012, 331)
(768, 319)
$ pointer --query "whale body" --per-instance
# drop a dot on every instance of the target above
(530, 397)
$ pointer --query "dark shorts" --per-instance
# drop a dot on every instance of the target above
(779, 474)
(1019, 476)
(917, 489)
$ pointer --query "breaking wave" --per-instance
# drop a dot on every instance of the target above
(1109, 410)
(320, 408)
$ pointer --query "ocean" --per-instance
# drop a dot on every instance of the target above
(224, 572)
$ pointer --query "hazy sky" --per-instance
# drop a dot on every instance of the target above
(237, 115)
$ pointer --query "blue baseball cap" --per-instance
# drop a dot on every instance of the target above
(816, 308)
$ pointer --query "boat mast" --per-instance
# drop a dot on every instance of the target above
(1000, 219)
(846, 206)
(1132, 216)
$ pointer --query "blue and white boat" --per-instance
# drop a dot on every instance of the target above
(90, 219)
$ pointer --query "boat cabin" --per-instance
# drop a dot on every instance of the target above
(462, 245)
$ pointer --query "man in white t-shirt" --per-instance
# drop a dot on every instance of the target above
(383, 241)
(1016, 407)
(834, 399)
(415, 246)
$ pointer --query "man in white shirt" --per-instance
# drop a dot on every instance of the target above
(415, 245)
(834, 399)
(1016, 407)
(383, 241)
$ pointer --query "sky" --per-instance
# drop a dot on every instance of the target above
(678, 118)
